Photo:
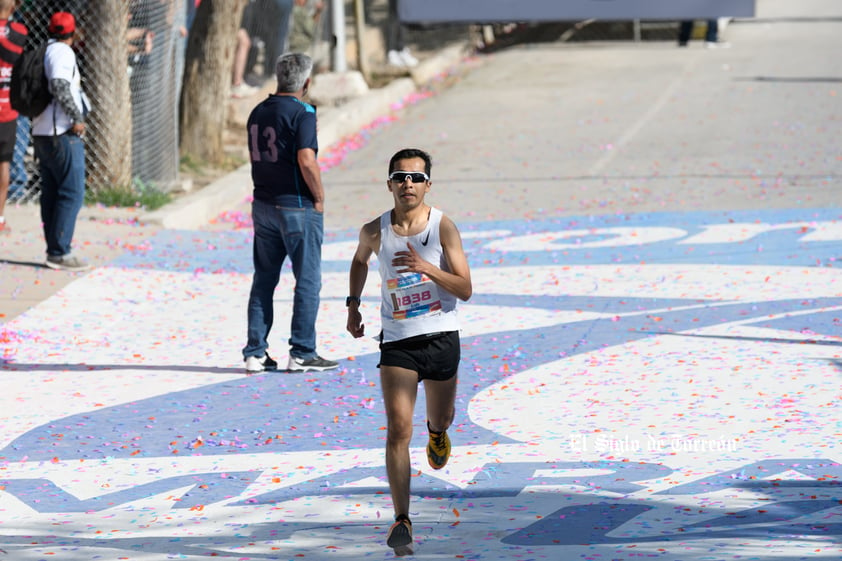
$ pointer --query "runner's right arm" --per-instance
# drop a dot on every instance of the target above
(369, 243)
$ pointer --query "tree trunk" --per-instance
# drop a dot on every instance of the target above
(207, 79)
(109, 143)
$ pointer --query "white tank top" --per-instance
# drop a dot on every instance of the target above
(411, 303)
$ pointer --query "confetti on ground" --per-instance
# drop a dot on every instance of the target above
(608, 408)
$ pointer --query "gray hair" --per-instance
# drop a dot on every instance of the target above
(292, 71)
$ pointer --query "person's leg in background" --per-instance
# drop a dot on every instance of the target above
(712, 33)
(276, 39)
(397, 52)
(4, 191)
(685, 29)
(306, 228)
(239, 88)
(712, 40)
(62, 166)
(268, 254)
(242, 54)
(18, 176)
(7, 150)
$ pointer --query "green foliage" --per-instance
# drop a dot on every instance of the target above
(189, 164)
(233, 161)
(138, 194)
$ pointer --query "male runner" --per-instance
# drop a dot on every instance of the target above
(424, 270)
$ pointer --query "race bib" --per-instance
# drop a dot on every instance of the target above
(413, 295)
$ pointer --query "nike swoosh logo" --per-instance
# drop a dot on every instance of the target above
(425, 240)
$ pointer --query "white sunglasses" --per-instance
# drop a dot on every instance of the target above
(414, 176)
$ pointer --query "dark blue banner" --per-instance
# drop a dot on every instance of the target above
(487, 11)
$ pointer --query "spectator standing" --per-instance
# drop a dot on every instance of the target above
(305, 20)
(239, 87)
(153, 87)
(278, 14)
(398, 53)
(58, 135)
(12, 41)
(423, 270)
(18, 176)
(288, 216)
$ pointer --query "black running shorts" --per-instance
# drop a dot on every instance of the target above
(8, 132)
(434, 356)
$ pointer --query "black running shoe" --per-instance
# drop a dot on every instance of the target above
(316, 363)
(400, 536)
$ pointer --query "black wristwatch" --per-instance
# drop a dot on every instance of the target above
(350, 299)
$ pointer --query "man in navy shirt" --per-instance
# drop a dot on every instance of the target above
(288, 216)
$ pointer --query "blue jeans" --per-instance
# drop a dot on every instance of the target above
(61, 161)
(18, 178)
(281, 232)
(394, 29)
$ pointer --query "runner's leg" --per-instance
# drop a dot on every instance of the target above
(400, 389)
(441, 402)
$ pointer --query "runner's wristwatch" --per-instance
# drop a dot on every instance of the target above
(350, 299)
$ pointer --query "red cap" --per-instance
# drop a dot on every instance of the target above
(62, 23)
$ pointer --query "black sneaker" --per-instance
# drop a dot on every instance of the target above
(259, 364)
(66, 263)
(400, 536)
(316, 363)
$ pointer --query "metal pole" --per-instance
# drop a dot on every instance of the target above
(637, 31)
(340, 64)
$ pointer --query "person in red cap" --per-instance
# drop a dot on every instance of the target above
(12, 40)
(57, 135)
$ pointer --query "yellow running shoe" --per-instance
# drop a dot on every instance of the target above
(438, 448)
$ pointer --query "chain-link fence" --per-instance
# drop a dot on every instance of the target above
(131, 59)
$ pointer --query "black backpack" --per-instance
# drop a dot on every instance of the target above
(29, 92)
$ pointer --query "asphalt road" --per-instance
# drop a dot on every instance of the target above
(555, 129)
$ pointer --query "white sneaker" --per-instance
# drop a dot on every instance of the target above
(260, 363)
(717, 45)
(242, 90)
(395, 59)
(407, 58)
